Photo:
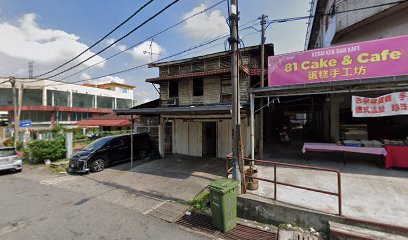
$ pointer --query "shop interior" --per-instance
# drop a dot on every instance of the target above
(291, 121)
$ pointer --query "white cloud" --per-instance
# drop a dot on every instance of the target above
(109, 41)
(26, 41)
(146, 52)
(205, 25)
(145, 93)
(85, 76)
(121, 47)
(109, 79)
(116, 46)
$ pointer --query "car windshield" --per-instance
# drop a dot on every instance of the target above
(96, 144)
(7, 152)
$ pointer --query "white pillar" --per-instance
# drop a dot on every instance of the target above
(44, 97)
(69, 144)
(71, 99)
(252, 122)
(161, 136)
(53, 99)
(95, 101)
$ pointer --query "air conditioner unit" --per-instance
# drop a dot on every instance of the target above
(172, 102)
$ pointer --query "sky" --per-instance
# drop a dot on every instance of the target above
(49, 33)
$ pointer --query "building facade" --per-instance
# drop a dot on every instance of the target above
(317, 105)
(193, 113)
(338, 22)
(45, 102)
(353, 21)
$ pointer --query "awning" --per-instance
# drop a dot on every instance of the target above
(103, 123)
(394, 83)
(209, 109)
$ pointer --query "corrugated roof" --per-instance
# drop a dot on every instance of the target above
(206, 109)
(103, 123)
(112, 116)
(108, 120)
(196, 74)
(269, 48)
(189, 75)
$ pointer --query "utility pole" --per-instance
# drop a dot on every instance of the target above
(237, 163)
(262, 75)
(12, 80)
(30, 69)
(20, 102)
(57, 103)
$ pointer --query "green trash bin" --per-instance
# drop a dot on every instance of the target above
(224, 203)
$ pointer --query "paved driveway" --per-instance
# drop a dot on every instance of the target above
(112, 204)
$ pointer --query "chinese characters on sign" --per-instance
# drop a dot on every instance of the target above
(378, 58)
(387, 105)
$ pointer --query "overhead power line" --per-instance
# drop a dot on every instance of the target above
(269, 22)
(162, 59)
(283, 20)
(143, 65)
(207, 42)
(120, 39)
(100, 40)
(219, 37)
(146, 39)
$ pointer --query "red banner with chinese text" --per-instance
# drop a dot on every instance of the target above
(388, 105)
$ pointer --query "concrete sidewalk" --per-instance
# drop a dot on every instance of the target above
(366, 196)
(151, 183)
(173, 178)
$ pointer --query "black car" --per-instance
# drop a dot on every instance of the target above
(110, 150)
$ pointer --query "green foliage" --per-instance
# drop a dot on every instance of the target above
(9, 142)
(201, 201)
(80, 137)
(43, 149)
(57, 129)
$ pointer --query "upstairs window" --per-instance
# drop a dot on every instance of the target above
(173, 89)
(198, 88)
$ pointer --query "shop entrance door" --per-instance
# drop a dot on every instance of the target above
(209, 139)
(168, 133)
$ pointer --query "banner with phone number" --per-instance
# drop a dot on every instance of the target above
(387, 105)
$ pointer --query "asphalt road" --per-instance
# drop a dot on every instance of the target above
(30, 209)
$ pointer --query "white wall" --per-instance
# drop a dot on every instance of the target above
(187, 139)
(224, 141)
(68, 87)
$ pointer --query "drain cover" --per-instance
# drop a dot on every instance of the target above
(203, 223)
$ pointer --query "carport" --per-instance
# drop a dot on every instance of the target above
(207, 127)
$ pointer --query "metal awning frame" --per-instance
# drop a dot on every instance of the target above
(348, 86)
(394, 83)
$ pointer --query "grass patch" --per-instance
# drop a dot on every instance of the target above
(58, 170)
(201, 201)
(27, 163)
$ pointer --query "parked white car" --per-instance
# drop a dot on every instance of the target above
(9, 160)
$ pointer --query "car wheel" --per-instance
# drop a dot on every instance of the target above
(98, 165)
(18, 170)
(143, 155)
